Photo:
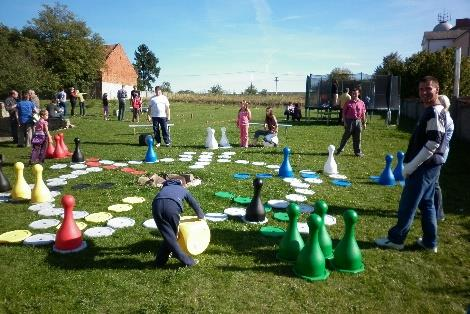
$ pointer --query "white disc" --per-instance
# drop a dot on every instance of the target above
(133, 200)
(278, 204)
(58, 166)
(330, 220)
(49, 212)
(135, 162)
(242, 161)
(196, 167)
(223, 160)
(38, 207)
(255, 222)
(121, 222)
(307, 171)
(189, 153)
(186, 156)
(302, 227)
(167, 160)
(296, 198)
(98, 232)
(94, 169)
(120, 208)
(79, 172)
(235, 211)
(205, 159)
(229, 153)
(313, 180)
(44, 223)
(106, 162)
(78, 214)
(55, 193)
(195, 182)
(150, 224)
(304, 191)
(216, 217)
(299, 185)
(78, 166)
(56, 183)
(5, 194)
(202, 163)
(185, 159)
(273, 166)
(305, 208)
(258, 163)
(207, 153)
(120, 164)
(338, 176)
(290, 180)
(40, 239)
(68, 176)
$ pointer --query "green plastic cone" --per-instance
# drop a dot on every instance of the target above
(321, 208)
(310, 263)
(347, 255)
(291, 242)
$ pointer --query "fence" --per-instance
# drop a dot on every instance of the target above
(459, 111)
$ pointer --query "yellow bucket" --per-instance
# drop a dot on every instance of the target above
(193, 235)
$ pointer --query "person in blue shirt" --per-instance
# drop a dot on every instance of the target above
(24, 115)
(166, 209)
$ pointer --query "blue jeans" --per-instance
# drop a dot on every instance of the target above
(417, 193)
(64, 107)
(122, 105)
(162, 123)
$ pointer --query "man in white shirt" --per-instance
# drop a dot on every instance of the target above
(61, 99)
(159, 111)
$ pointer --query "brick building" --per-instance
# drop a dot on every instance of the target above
(118, 71)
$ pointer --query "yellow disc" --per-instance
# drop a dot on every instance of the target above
(14, 236)
(80, 224)
(133, 200)
(193, 235)
(120, 208)
(99, 217)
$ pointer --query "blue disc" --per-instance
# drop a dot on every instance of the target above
(309, 175)
(241, 176)
(341, 182)
(375, 178)
(264, 175)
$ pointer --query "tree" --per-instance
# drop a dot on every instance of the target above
(68, 48)
(251, 90)
(186, 91)
(340, 74)
(263, 92)
(146, 67)
(166, 87)
(216, 89)
(392, 64)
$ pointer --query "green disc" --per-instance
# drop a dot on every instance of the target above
(281, 216)
(271, 231)
(224, 194)
(242, 200)
(267, 207)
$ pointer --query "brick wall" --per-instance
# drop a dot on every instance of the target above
(118, 68)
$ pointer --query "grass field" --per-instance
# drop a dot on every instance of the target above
(239, 271)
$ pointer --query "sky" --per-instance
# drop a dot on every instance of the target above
(233, 43)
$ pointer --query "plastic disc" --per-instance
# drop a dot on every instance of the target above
(258, 163)
(78, 166)
(80, 224)
(150, 224)
(98, 217)
(38, 207)
(296, 198)
(44, 223)
(40, 239)
(120, 222)
(242, 161)
(49, 212)
(135, 162)
(14, 236)
(305, 208)
(78, 214)
(280, 204)
(341, 182)
(242, 200)
(120, 164)
(271, 231)
(133, 200)
(216, 217)
(99, 232)
(281, 216)
(120, 208)
(313, 180)
(304, 191)
(264, 175)
(241, 176)
(299, 185)
(106, 162)
(58, 166)
(337, 176)
(223, 194)
(235, 211)
(302, 227)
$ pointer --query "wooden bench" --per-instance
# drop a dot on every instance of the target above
(134, 126)
(279, 125)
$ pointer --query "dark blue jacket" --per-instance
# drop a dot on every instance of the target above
(173, 190)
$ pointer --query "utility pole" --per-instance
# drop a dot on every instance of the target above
(276, 79)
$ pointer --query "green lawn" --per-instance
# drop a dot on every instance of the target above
(239, 271)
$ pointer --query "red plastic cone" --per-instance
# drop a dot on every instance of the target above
(64, 146)
(69, 236)
(50, 150)
(59, 151)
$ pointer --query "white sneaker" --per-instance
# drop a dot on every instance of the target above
(421, 244)
(385, 242)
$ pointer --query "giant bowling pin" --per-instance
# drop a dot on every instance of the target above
(21, 190)
(59, 150)
(387, 177)
(255, 211)
(69, 237)
(41, 193)
(330, 166)
(50, 150)
(398, 172)
(4, 183)
(285, 171)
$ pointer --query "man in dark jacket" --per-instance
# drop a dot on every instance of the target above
(166, 209)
